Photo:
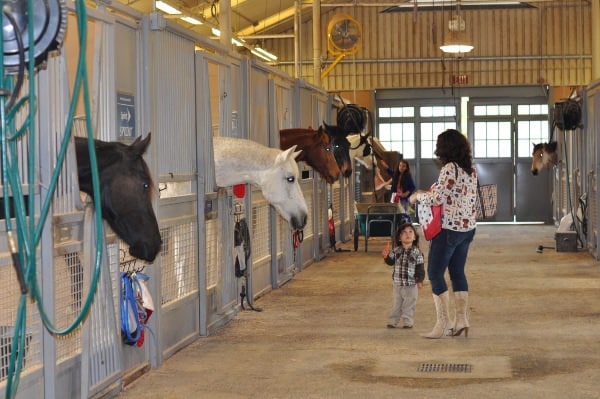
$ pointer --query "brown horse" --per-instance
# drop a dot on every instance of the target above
(341, 148)
(544, 155)
(316, 150)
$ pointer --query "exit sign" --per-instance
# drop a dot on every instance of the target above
(460, 79)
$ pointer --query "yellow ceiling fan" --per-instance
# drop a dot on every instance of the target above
(344, 36)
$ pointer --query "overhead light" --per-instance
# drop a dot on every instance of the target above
(164, 7)
(191, 20)
(264, 54)
(456, 43)
(455, 39)
(237, 42)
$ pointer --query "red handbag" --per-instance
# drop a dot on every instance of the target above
(430, 218)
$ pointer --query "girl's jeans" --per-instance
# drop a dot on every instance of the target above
(449, 249)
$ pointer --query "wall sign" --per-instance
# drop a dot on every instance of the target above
(126, 115)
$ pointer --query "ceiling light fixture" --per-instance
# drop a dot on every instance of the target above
(264, 54)
(191, 20)
(455, 39)
(164, 7)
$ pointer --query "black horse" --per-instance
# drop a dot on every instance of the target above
(341, 148)
(125, 189)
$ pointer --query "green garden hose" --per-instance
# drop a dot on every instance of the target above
(24, 237)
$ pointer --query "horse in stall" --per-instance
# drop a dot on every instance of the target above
(240, 161)
(544, 155)
(361, 150)
(125, 191)
(341, 148)
(316, 150)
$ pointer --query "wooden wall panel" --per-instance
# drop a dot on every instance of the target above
(550, 44)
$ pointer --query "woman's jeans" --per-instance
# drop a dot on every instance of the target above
(449, 249)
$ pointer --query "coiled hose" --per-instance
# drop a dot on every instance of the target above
(25, 235)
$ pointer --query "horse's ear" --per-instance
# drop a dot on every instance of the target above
(286, 154)
(552, 146)
(140, 146)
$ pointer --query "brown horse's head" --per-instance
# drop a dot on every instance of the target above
(544, 155)
(316, 150)
(341, 148)
(125, 192)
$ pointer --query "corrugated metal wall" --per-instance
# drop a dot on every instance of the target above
(550, 43)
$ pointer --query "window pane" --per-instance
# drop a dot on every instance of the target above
(492, 139)
(384, 112)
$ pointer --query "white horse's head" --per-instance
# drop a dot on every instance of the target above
(274, 171)
(281, 188)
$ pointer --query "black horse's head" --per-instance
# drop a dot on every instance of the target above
(341, 148)
(126, 191)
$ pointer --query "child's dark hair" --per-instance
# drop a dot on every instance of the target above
(402, 227)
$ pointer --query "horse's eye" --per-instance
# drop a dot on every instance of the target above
(327, 149)
(146, 186)
(291, 179)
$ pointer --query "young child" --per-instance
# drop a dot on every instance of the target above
(407, 275)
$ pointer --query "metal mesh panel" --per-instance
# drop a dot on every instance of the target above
(66, 196)
(349, 203)
(179, 263)
(307, 191)
(335, 200)
(10, 293)
(213, 260)
(261, 232)
(104, 338)
(592, 213)
(68, 294)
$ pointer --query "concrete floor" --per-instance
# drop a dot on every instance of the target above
(535, 332)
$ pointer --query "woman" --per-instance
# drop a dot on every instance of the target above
(403, 184)
(456, 189)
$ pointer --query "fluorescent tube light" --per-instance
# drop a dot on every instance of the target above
(264, 54)
(191, 20)
(164, 7)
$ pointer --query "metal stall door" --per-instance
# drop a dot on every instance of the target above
(261, 213)
(170, 112)
(570, 176)
(102, 361)
(304, 117)
(284, 259)
(322, 111)
(219, 108)
(592, 131)
(89, 359)
(501, 133)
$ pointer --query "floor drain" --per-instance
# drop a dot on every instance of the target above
(445, 368)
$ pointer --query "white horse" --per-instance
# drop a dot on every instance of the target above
(276, 172)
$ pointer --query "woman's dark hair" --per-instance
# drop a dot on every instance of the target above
(453, 146)
(402, 227)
